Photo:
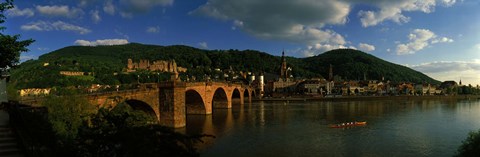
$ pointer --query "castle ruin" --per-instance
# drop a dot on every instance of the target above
(160, 65)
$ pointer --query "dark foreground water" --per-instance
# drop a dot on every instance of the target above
(395, 128)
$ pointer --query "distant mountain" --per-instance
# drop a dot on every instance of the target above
(106, 64)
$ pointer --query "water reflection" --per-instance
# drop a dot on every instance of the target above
(401, 128)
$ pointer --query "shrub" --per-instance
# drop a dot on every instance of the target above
(470, 146)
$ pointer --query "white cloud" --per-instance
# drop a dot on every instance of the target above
(60, 11)
(109, 8)
(327, 40)
(126, 15)
(420, 39)
(300, 21)
(467, 71)
(38, 26)
(236, 24)
(95, 16)
(58, 25)
(392, 10)
(366, 47)
(20, 12)
(295, 21)
(305, 21)
(448, 2)
(83, 3)
(477, 46)
(43, 48)
(24, 58)
(370, 18)
(320, 48)
(203, 45)
(141, 6)
(101, 42)
(153, 29)
(442, 40)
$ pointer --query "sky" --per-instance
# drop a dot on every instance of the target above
(440, 38)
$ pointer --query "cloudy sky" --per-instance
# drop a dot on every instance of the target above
(438, 37)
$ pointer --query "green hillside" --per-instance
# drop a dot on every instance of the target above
(102, 62)
(354, 65)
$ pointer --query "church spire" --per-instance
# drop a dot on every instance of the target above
(283, 68)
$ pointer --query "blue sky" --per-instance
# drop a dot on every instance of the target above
(438, 37)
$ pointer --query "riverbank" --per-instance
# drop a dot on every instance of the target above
(370, 98)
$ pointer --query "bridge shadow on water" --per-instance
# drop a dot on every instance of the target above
(219, 123)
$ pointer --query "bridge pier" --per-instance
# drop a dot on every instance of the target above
(172, 104)
(222, 104)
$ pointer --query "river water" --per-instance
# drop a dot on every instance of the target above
(301, 128)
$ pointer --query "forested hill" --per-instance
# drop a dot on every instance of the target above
(104, 61)
(355, 65)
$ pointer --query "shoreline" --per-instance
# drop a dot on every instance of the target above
(370, 98)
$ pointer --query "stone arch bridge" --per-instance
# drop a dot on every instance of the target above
(170, 102)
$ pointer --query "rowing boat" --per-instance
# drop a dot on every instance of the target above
(350, 124)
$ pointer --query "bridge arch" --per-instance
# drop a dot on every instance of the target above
(220, 98)
(142, 106)
(247, 95)
(254, 93)
(237, 97)
(194, 102)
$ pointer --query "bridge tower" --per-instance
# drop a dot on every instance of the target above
(172, 104)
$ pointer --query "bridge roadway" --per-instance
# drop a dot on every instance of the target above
(171, 101)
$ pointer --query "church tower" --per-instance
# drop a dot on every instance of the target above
(283, 68)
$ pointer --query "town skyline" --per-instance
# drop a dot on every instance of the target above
(438, 38)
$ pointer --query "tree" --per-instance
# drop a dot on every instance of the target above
(470, 146)
(449, 90)
(67, 114)
(123, 131)
(12, 93)
(10, 46)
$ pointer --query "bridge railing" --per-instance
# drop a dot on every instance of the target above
(196, 84)
(114, 92)
(170, 84)
(27, 99)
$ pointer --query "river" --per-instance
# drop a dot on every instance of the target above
(301, 128)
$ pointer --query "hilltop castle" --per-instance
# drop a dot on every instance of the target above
(162, 66)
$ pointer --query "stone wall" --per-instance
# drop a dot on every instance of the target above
(72, 73)
(3, 90)
(35, 91)
(160, 65)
